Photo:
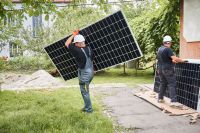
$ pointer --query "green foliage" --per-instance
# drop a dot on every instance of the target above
(63, 25)
(11, 18)
(9, 32)
(35, 44)
(150, 22)
(30, 7)
(2, 64)
(166, 23)
(11, 29)
(26, 63)
(38, 7)
(73, 19)
(49, 112)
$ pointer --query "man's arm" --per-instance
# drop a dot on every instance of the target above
(177, 60)
(69, 40)
(173, 57)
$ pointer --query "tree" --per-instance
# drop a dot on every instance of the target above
(150, 22)
(11, 17)
(166, 23)
(71, 19)
(10, 32)
(38, 7)
(30, 7)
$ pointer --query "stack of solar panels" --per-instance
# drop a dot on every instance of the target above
(110, 39)
(188, 84)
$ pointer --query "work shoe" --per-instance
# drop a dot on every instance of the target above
(84, 111)
(88, 112)
(176, 105)
(161, 101)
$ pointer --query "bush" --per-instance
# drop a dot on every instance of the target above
(27, 63)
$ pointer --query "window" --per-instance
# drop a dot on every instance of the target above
(10, 20)
(14, 49)
(37, 23)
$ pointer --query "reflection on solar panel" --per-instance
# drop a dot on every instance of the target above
(188, 84)
(110, 39)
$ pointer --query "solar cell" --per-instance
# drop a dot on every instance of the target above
(188, 83)
(110, 39)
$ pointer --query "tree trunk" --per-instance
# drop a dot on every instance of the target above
(124, 68)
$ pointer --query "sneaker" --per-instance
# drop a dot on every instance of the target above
(175, 104)
(161, 100)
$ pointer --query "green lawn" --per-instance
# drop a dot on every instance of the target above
(116, 75)
(59, 111)
(49, 111)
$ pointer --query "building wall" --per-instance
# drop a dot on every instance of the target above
(189, 50)
(28, 23)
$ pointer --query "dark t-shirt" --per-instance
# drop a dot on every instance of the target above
(79, 55)
(164, 58)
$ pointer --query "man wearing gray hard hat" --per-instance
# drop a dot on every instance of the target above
(84, 60)
(166, 60)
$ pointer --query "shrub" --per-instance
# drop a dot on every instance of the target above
(27, 63)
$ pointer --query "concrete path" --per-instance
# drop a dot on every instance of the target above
(139, 116)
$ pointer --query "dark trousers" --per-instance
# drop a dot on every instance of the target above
(167, 80)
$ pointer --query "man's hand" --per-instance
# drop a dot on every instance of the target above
(76, 32)
(185, 60)
(174, 61)
(69, 40)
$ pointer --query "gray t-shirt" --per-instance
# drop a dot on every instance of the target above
(164, 58)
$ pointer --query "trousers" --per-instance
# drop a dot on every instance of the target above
(167, 80)
(85, 76)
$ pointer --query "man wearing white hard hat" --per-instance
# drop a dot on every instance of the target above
(84, 60)
(166, 60)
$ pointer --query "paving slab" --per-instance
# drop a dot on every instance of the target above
(132, 112)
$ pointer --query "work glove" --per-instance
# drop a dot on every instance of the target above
(76, 32)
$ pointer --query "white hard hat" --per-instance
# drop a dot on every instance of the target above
(79, 38)
(167, 39)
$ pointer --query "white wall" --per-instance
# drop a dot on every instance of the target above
(5, 51)
(191, 20)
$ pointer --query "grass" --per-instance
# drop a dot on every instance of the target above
(116, 75)
(49, 111)
(59, 111)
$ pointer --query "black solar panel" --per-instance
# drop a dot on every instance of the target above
(188, 83)
(110, 39)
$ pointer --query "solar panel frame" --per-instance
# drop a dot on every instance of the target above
(105, 22)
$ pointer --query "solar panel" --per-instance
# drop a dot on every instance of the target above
(110, 39)
(188, 84)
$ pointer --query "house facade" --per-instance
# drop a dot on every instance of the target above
(12, 50)
(190, 29)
